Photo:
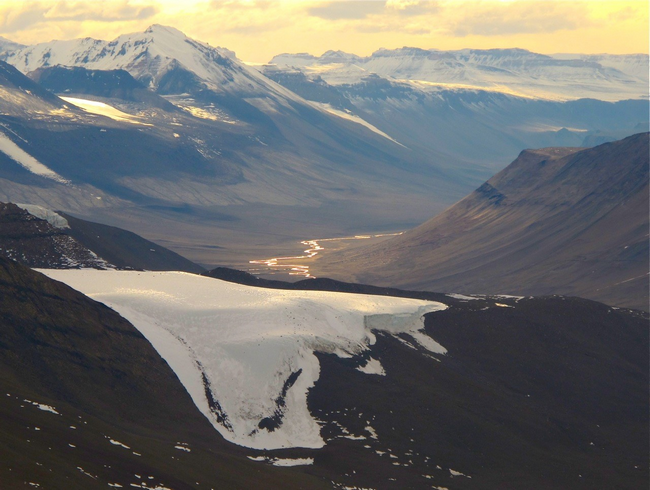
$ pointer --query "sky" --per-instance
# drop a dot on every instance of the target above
(258, 30)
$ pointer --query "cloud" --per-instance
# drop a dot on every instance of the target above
(521, 17)
(101, 11)
(347, 9)
(243, 4)
(413, 7)
(16, 17)
(259, 29)
(13, 20)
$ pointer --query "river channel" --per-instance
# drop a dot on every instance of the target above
(297, 266)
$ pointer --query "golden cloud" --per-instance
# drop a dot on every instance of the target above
(258, 29)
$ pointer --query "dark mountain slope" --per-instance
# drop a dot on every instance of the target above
(35, 242)
(125, 249)
(555, 221)
(112, 84)
(80, 383)
(538, 393)
(11, 78)
(550, 393)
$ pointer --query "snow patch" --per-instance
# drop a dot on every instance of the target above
(56, 220)
(246, 354)
(372, 432)
(86, 473)
(283, 461)
(293, 462)
(118, 443)
(373, 366)
(42, 406)
(102, 109)
(354, 118)
(458, 473)
(461, 296)
(24, 159)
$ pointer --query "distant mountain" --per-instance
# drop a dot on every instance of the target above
(437, 120)
(38, 237)
(556, 221)
(604, 77)
(7, 45)
(167, 61)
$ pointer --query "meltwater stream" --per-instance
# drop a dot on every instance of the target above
(293, 267)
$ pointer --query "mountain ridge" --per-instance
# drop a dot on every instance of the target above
(565, 77)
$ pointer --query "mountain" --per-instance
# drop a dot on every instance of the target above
(556, 221)
(359, 390)
(565, 77)
(238, 141)
(6, 45)
(248, 161)
(88, 403)
(437, 120)
(38, 237)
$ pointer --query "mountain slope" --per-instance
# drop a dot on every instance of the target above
(19, 92)
(556, 221)
(437, 119)
(37, 237)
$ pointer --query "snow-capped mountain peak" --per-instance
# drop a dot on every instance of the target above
(161, 30)
(147, 55)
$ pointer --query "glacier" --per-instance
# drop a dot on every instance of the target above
(246, 355)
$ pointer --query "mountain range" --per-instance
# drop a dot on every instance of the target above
(166, 135)
(517, 71)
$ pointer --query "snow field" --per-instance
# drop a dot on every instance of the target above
(246, 354)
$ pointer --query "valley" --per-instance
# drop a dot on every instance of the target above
(397, 268)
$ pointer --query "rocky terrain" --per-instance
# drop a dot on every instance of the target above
(41, 238)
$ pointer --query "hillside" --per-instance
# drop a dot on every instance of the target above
(556, 221)
(39, 237)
